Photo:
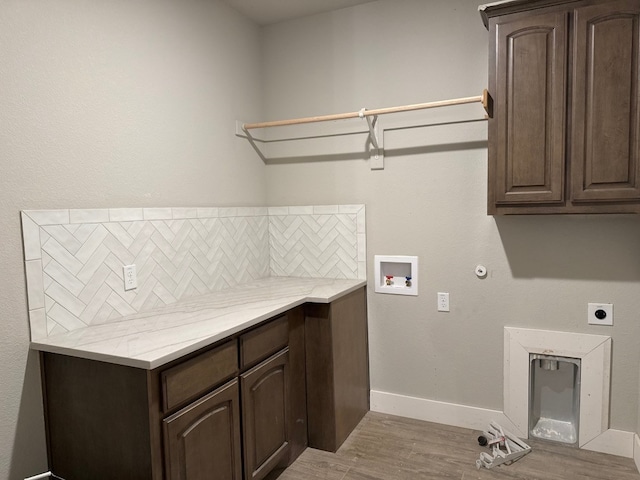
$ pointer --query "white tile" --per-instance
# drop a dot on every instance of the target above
(164, 294)
(44, 238)
(181, 213)
(65, 318)
(362, 270)
(95, 282)
(121, 306)
(65, 298)
(278, 211)
(91, 244)
(35, 285)
(125, 214)
(62, 256)
(241, 212)
(326, 209)
(103, 316)
(301, 210)
(207, 212)
(349, 208)
(260, 211)
(251, 211)
(157, 213)
(64, 237)
(30, 238)
(49, 217)
(228, 212)
(361, 221)
(48, 301)
(38, 323)
(362, 247)
(97, 215)
(95, 304)
(54, 328)
(63, 277)
(84, 230)
(119, 233)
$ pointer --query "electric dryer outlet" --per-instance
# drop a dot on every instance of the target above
(600, 314)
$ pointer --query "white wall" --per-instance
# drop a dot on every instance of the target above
(430, 201)
(111, 104)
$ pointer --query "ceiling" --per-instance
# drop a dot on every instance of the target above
(265, 12)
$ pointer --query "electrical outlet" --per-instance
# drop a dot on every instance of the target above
(443, 302)
(600, 313)
(130, 277)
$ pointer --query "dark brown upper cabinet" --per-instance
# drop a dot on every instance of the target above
(564, 79)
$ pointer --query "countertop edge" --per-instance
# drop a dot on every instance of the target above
(197, 345)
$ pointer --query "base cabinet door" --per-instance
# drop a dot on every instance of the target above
(265, 410)
(202, 441)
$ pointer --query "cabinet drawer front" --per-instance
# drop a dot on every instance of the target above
(258, 344)
(194, 377)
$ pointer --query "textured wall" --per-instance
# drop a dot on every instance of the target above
(111, 104)
(430, 201)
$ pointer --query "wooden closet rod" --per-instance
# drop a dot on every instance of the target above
(484, 99)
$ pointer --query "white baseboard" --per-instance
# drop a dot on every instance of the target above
(438, 412)
(614, 442)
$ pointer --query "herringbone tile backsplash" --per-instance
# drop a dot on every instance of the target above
(74, 258)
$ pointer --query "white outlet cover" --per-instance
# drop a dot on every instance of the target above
(443, 302)
(594, 307)
(130, 277)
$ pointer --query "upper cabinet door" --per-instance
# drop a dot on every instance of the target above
(530, 98)
(605, 111)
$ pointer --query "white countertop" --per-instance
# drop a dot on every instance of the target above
(150, 339)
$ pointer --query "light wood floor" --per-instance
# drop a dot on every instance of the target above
(395, 448)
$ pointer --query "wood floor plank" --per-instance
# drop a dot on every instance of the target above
(385, 447)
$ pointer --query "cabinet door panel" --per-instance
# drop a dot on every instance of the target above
(265, 392)
(529, 156)
(605, 115)
(202, 441)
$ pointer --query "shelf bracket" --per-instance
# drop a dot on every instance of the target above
(376, 137)
(487, 103)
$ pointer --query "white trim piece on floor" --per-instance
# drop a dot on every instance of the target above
(453, 414)
(614, 442)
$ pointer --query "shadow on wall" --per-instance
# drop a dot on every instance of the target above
(580, 247)
(30, 426)
(395, 152)
(437, 137)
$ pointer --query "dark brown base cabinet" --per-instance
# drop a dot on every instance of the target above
(203, 440)
(565, 133)
(337, 369)
(234, 411)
